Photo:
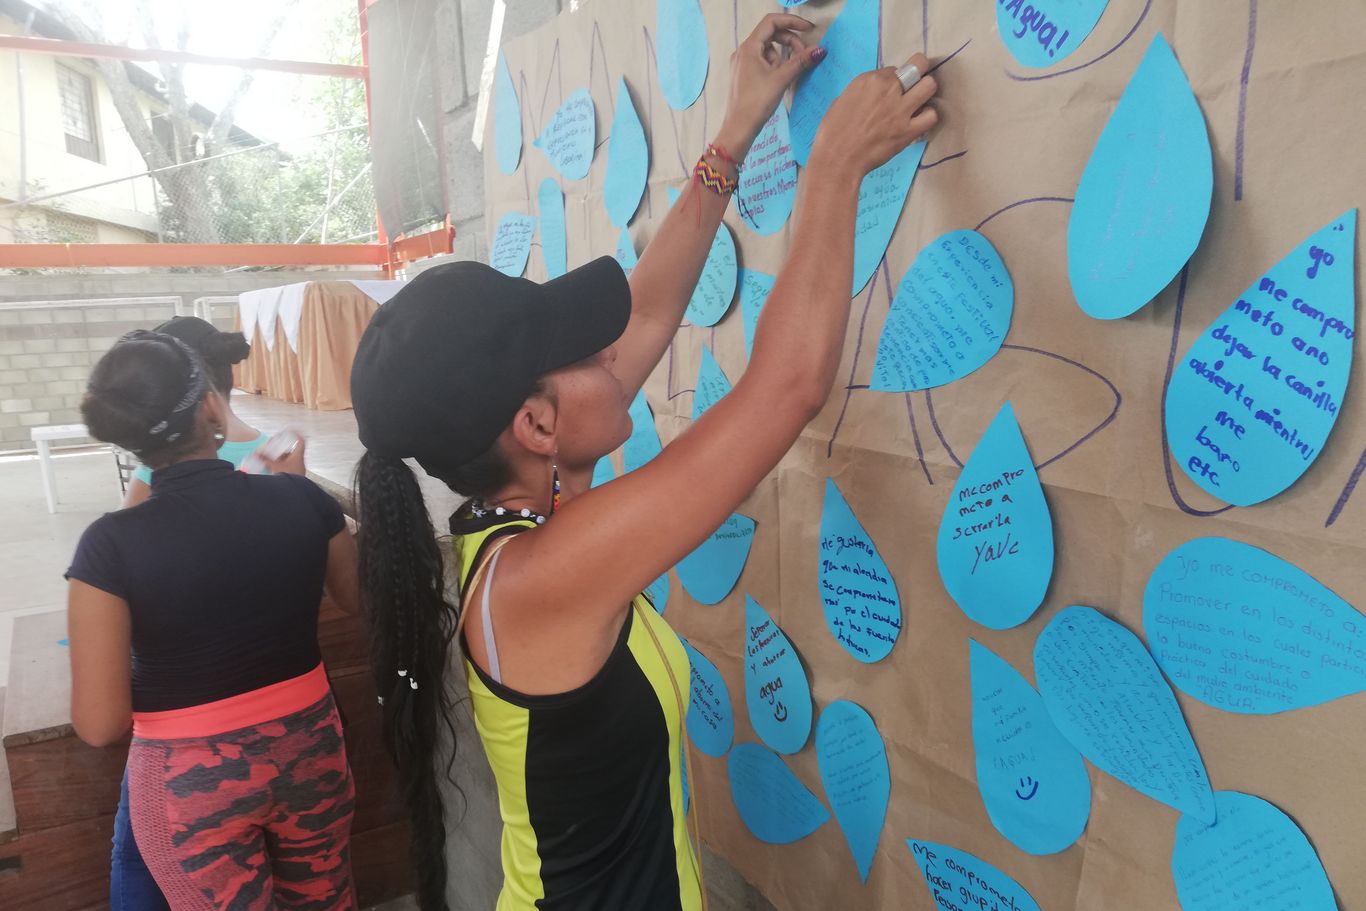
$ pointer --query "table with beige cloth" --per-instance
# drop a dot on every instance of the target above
(304, 337)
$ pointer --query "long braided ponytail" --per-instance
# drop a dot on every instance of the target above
(411, 627)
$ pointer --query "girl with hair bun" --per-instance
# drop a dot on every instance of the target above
(218, 351)
(193, 620)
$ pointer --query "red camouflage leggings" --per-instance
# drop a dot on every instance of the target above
(256, 819)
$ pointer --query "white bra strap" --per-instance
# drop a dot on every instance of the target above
(490, 645)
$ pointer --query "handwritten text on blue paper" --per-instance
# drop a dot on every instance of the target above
(1243, 630)
(711, 722)
(773, 803)
(881, 197)
(768, 177)
(862, 608)
(754, 289)
(857, 780)
(1254, 400)
(1105, 694)
(950, 315)
(512, 243)
(1033, 782)
(1044, 31)
(570, 137)
(995, 545)
(776, 689)
(554, 242)
(960, 882)
(710, 572)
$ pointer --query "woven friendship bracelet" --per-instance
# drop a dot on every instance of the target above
(707, 175)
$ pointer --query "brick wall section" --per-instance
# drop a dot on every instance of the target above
(46, 353)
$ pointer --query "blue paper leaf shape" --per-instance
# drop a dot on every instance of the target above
(570, 137)
(996, 537)
(768, 177)
(643, 443)
(710, 572)
(1242, 630)
(862, 608)
(777, 693)
(881, 197)
(1032, 781)
(1252, 403)
(857, 781)
(554, 243)
(950, 315)
(1144, 197)
(658, 591)
(681, 52)
(1105, 694)
(507, 119)
(754, 289)
(712, 384)
(851, 49)
(603, 472)
(959, 880)
(511, 244)
(710, 719)
(628, 160)
(626, 252)
(1253, 857)
(1039, 37)
(716, 286)
(774, 805)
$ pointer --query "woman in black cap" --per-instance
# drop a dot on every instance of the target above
(219, 351)
(509, 392)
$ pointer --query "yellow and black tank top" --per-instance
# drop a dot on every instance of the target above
(590, 782)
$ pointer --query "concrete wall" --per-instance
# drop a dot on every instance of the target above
(49, 165)
(46, 352)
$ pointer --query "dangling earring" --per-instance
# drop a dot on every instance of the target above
(218, 435)
(554, 483)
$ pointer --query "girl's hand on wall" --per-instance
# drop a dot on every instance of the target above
(761, 69)
(872, 120)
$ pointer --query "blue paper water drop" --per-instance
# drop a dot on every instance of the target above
(658, 592)
(754, 290)
(1107, 697)
(1033, 782)
(626, 253)
(602, 472)
(554, 243)
(716, 286)
(862, 608)
(768, 177)
(777, 693)
(712, 384)
(950, 315)
(643, 443)
(1037, 36)
(1253, 857)
(881, 197)
(995, 543)
(774, 805)
(511, 246)
(507, 119)
(1144, 197)
(710, 719)
(570, 137)
(851, 49)
(857, 781)
(628, 161)
(1242, 630)
(957, 879)
(710, 572)
(681, 51)
(1252, 403)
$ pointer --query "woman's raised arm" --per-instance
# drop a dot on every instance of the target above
(610, 542)
(663, 280)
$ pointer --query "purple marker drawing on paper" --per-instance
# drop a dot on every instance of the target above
(1242, 99)
(1147, 7)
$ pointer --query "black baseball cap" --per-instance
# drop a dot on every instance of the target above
(447, 361)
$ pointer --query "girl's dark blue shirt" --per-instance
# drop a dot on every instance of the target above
(223, 574)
